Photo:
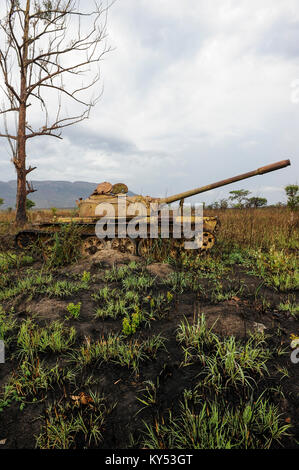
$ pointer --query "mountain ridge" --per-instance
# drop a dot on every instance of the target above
(59, 194)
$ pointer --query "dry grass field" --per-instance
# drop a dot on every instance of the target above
(259, 228)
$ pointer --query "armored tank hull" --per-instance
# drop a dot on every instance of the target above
(44, 235)
(110, 203)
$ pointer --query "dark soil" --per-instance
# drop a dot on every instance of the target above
(238, 316)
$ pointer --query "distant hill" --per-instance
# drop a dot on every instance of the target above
(60, 194)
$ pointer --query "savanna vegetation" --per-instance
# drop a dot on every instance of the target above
(124, 352)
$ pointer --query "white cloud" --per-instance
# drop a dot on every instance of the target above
(194, 92)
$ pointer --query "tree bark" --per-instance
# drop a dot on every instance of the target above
(20, 162)
(21, 215)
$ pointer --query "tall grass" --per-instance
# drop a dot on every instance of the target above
(35, 216)
(257, 228)
(215, 425)
(251, 228)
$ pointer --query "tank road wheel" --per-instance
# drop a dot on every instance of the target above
(25, 240)
(208, 242)
(130, 246)
(175, 247)
(92, 245)
(144, 247)
(116, 244)
(47, 244)
(124, 245)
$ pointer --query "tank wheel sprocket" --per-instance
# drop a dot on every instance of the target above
(124, 245)
(92, 245)
(208, 241)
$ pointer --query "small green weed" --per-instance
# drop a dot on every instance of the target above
(278, 269)
(130, 325)
(290, 307)
(74, 311)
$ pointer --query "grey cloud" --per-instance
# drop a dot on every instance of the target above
(87, 138)
(172, 37)
(281, 39)
(178, 153)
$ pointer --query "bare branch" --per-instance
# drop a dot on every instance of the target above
(30, 188)
(30, 169)
(9, 110)
(42, 133)
(8, 136)
(12, 144)
(41, 53)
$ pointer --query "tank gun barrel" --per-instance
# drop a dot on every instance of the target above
(209, 187)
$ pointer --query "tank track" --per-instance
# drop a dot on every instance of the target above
(91, 244)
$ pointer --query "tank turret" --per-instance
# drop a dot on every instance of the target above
(106, 193)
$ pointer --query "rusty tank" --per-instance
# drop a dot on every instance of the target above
(115, 196)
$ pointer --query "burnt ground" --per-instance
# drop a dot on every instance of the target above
(252, 308)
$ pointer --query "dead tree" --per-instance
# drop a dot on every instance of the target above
(47, 47)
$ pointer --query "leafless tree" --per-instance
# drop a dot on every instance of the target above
(47, 47)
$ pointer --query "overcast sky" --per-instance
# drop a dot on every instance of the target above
(195, 91)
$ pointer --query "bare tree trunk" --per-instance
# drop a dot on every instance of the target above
(20, 163)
